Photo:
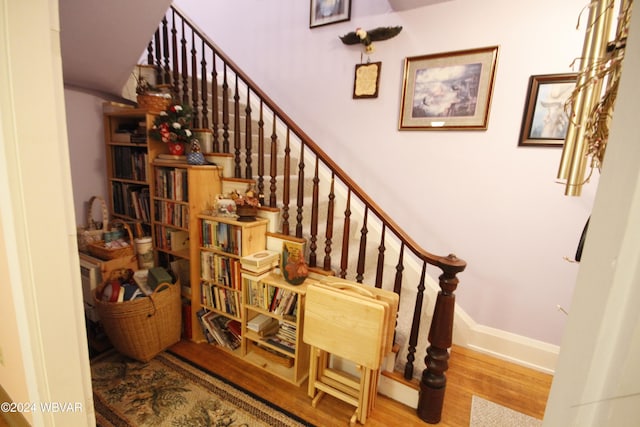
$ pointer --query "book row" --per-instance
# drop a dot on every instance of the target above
(274, 299)
(130, 163)
(131, 200)
(221, 236)
(175, 214)
(222, 269)
(172, 183)
(222, 299)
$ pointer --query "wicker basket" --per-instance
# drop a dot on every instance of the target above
(100, 250)
(90, 233)
(143, 327)
(154, 102)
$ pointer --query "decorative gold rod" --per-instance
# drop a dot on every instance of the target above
(574, 159)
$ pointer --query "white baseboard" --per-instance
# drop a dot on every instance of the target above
(503, 345)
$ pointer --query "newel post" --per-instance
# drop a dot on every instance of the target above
(434, 381)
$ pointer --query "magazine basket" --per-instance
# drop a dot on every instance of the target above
(143, 327)
(90, 233)
(100, 250)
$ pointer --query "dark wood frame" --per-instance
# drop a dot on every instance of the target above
(366, 80)
(344, 14)
(476, 85)
(533, 105)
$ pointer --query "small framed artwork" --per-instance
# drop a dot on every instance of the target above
(324, 12)
(545, 119)
(367, 78)
(448, 91)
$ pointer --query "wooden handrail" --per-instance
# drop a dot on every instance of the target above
(215, 96)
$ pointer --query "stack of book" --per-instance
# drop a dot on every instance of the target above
(220, 329)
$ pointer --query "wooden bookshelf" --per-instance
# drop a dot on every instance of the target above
(129, 152)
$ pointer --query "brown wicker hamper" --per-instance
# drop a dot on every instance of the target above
(143, 327)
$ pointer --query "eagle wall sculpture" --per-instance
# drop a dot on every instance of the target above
(366, 38)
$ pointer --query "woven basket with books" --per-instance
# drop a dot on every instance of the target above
(143, 327)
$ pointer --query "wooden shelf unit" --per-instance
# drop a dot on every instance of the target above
(218, 245)
(292, 363)
(128, 160)
(179, 193)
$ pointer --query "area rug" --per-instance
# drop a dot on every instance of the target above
(488, 414)
(169, 391)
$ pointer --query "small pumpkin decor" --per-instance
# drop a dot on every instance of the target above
(173, 127)
(195, 157)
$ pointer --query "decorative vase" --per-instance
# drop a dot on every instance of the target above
(176, 148)
(195, 157)
(246, 213)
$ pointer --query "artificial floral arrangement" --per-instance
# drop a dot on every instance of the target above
(247, 199)
(173, 125)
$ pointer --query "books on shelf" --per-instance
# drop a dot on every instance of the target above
(218, 329)
(277, 300)
(225, 271)
(221, 236)
(171, 239)
(222, 299)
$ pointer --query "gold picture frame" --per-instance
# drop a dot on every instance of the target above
(366, 80)
(545, 121)
(449, 90)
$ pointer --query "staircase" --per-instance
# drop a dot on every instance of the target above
(347, 233)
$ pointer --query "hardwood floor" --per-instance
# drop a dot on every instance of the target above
(470, 373)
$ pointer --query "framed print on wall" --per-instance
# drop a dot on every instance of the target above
(448, 91)
(545, 121)
(324, 12)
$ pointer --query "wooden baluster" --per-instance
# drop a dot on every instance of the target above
(300, 201)
(346, 231)
(157, 42)
(150, 59)
(434, 381)
(362, 253)
(236, 130)
(273, 202)
(248, 171)
(214, 103)
(174, 56)
(195, 119)
(164, 71)
(203, 88)
(185, 68)
(415, 325)
(397, 284)
(286, 185)
(225, 111)
(261, 156)
(313, 238)
(329, 231)
(380, 265)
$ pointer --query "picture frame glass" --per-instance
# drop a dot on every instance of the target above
(448, 90)
(545, 120)
(324, 12)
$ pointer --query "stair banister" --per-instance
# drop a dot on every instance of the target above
(175, 52)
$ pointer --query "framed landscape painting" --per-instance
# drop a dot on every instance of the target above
(448, 91)
(545, 120)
